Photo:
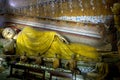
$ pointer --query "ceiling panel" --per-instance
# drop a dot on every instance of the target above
(20, 3)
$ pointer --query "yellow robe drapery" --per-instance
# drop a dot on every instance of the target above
(48, 43)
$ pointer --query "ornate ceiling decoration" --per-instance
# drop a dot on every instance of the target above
(20, 3)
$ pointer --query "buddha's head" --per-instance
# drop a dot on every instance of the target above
(8, 33)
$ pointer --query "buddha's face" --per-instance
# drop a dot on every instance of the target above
(8, 33)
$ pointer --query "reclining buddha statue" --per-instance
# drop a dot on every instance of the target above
(49, 43)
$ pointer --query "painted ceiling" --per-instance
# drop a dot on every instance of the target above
(20, 3)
